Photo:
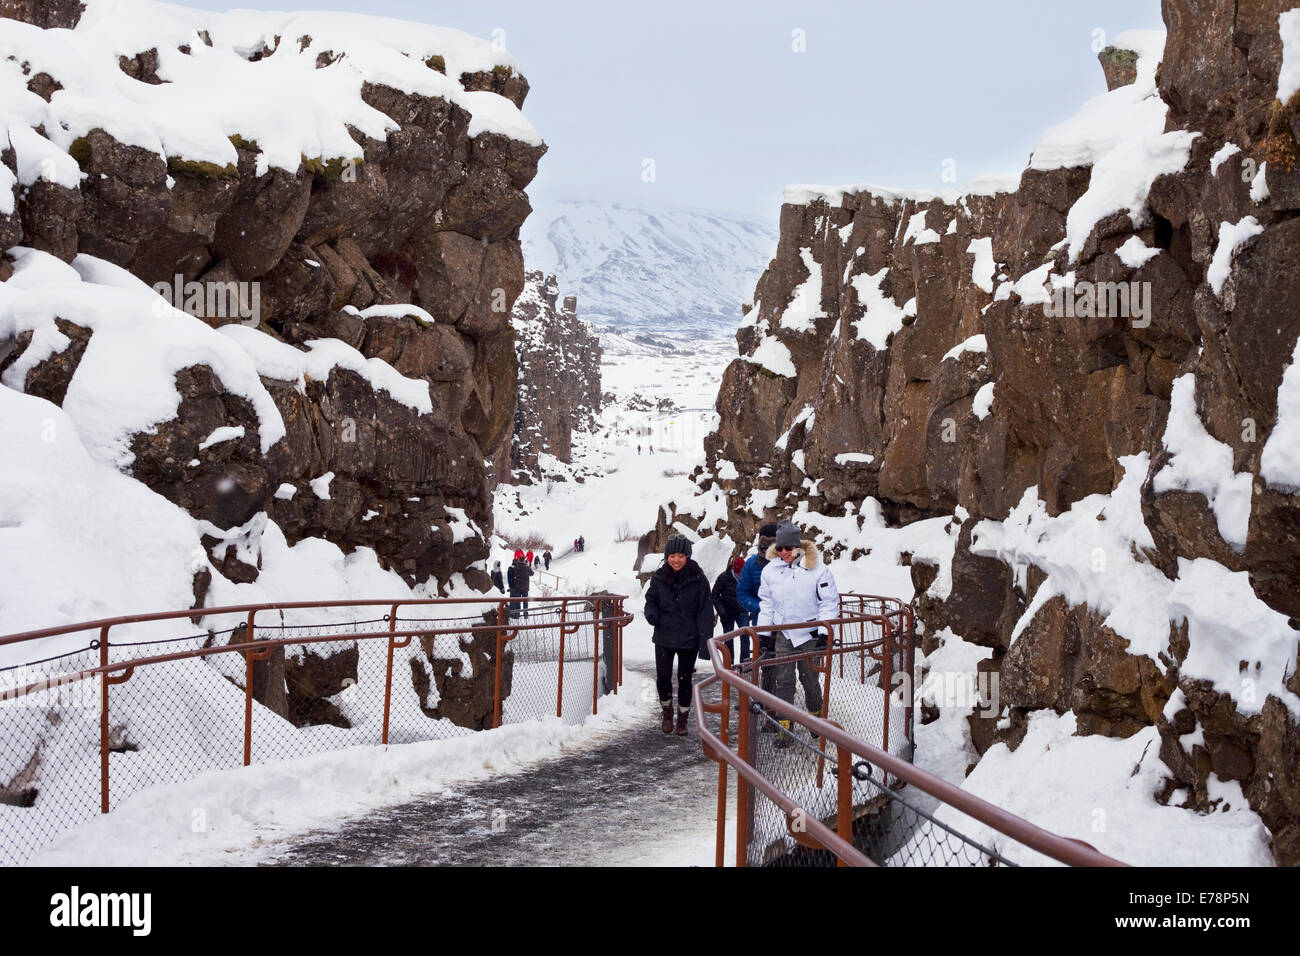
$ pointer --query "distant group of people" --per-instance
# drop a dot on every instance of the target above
(785, 581)
(638, 449)
(517, 577)
(579, 543)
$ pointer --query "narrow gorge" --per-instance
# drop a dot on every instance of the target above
(1091, 368)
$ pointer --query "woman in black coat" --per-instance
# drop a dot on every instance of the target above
(678, 606)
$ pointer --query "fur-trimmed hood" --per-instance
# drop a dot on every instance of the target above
(811, 557)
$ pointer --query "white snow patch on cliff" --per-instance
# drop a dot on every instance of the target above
(773, 355)
(982, 270)
(1200, 463)
(1105, 121)
(881, 316)
(976, 343)
(1232, 236)
(1135, 253)
(1288, 77)
(1223, 153)
(1279, 465)
(805, 306)
(125, 383)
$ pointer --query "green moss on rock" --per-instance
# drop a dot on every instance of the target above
(437, 62)
(332, 168)
(80, 151)
(178, 166)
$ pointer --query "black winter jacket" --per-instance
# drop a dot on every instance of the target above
(724, 596)
(518, 576)
(678, 606)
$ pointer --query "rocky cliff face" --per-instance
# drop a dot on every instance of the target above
(559, 375)
(971, 354)
(396, 236)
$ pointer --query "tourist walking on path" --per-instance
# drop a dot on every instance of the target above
(678, 607)
(582, 543)
(730, 613)
(796, 587)
(498, 581)
(517, 577)
(546, 558)
(747, 595)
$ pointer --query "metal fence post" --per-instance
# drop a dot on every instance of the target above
(248, 690)
(496, 691)
(595, 666)
(559, 681)
(844, 798)
(103, 719)
(388, 677)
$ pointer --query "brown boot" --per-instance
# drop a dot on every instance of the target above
(681, 722)
(666, 725)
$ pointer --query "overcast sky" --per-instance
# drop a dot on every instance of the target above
(730, 109)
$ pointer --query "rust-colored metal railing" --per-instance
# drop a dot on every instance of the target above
(864, 820)
(581, 623)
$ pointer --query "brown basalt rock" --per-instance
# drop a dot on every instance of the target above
(424, 217)
(400, 183)
(314, 674)
(229, 483)
(983, 605)
(47, 217)
(487, 311)
(1220, 65)
(503, 82)
(450, 268)
(124, 193)
(1120, 67)
(296, 293)
(277, 200)
(466, 699)
(1272, 544)
(50, 378)
(1066, 659)
(268, 675)
(143, 66)
(559, 375)
(46, 14)
(485, 206)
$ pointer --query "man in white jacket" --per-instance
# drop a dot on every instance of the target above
(796, 589)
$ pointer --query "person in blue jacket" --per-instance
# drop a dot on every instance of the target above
(747, 595)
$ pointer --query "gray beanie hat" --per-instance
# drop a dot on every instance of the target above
(787, 535)
(677, 545)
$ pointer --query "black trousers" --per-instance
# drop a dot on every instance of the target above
(664, 673)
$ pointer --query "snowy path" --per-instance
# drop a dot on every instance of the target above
(635, 797)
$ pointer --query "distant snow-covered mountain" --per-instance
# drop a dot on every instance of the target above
(645, 268)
